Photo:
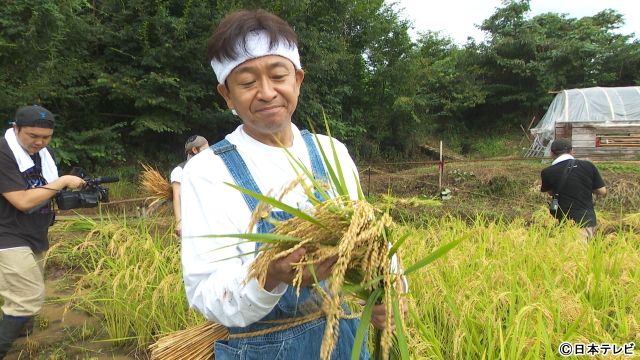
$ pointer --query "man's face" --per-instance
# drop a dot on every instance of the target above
(33, 139)
(264, 91)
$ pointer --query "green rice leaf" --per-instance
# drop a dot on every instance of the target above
(353, 277)
(416, 320)
(365, 320)
(335, 180)
(400, 335)
(309, 175)
(293, 161)
(434, 255)
(238, 256)
(359, 187)
(278, 204)
(316, 282)
(358, 289)
(269, 238)
(232, 244)
(295, 164)
(397, 244)
(343, 183)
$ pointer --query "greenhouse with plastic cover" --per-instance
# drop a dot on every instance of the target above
(597, 120)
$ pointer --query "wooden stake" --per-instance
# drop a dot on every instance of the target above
(440, 169)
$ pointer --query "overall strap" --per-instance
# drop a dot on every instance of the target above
(238, 170)
(317, 166)
(242, 176)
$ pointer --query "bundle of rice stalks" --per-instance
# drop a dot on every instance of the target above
(195, 343)
(623, 192)
(609, 224)
(156, 185)
(632, 221)
(355, 233)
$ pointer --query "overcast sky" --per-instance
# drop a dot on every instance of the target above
(457, 18)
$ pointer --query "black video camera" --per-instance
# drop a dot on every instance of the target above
(89, 196)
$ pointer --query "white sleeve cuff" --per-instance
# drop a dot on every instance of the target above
(262, 298)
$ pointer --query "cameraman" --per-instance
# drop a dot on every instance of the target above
(28, 181)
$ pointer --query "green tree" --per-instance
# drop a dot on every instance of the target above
(130, 79)
(524, 59)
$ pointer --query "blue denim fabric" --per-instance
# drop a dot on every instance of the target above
(302, 342)
(299, 342)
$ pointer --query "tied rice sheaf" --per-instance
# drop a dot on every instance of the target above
(155, 185)
(352, 231)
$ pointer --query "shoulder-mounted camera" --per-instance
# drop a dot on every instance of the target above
(87, 197)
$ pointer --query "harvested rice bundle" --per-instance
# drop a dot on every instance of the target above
(632, 221)
(194, 343)
(354, 232)
(156, 185)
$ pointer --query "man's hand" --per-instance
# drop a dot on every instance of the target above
(178, 229)
(283, 270)
(600, 191)
(72, 182)
(379, 314)
(25, 200)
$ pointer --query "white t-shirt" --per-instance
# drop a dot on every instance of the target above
(176, 175)
(214, 286)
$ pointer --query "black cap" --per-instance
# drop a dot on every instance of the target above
(35, 116)
(560, 145)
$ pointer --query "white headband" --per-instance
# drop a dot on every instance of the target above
(257, 45)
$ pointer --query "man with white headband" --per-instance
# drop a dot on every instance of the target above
(254, 55)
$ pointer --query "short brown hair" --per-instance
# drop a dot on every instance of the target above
(234, 29)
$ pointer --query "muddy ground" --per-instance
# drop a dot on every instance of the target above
(63, 333)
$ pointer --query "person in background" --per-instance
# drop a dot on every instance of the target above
(28, 182)
(194, 145)
(254, 55)
(582, 179)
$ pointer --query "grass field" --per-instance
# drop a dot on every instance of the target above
(517, 287)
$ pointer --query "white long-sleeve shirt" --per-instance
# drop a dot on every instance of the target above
(214, 275)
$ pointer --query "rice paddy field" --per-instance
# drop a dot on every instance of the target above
(517, 287)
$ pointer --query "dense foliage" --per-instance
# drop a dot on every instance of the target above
(130, 80)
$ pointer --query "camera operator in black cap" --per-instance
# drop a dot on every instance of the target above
(28, 181)
(574, 193)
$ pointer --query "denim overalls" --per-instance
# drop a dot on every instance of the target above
(301, 341)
